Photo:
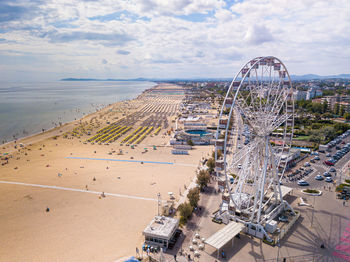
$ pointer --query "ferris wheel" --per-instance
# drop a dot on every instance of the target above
(253, 141)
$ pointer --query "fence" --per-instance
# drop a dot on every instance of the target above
(285, 229)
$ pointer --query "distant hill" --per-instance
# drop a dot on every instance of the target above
(96, 79)
(318, 77)
(293, 77)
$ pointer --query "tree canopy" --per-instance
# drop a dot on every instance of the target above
(193, 196)
(203, 178)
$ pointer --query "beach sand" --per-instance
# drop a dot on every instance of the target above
(83, 226)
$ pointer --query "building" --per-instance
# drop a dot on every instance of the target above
(299, 95)
(161, 231)
(346, 106)
(332, 100)
(290, 159)
(313, 92)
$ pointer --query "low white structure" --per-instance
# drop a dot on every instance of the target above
(224, 235)
(160, 231)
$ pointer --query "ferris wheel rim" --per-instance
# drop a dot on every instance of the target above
(257, 60)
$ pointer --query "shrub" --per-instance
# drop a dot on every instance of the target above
(311, 191)
(347, 181)
(341, 187)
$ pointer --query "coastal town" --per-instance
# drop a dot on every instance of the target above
(144, 177)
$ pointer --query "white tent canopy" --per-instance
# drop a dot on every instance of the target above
(224, 235)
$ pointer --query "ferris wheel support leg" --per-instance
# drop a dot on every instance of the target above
(258, 228)
(287, 206)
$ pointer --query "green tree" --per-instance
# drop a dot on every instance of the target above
(317, 116)
(316, 125)
(203, 178)
(317, 108)
(347, 116)
(193, 196)
(336, 109)
(185, 210)
(316, 136)
(328, 133)
(211, 164)
(342, 110)
(325, 106)
(219, 154)
(190, 142)
(327, 115)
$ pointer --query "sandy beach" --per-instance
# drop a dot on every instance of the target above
(68, 175)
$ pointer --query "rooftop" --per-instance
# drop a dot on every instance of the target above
(161, 226)
(224, 235)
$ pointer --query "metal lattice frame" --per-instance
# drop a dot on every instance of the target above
(259, 99)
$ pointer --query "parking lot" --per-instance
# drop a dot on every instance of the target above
(314, 173)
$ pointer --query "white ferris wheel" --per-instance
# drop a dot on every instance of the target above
(253, 141)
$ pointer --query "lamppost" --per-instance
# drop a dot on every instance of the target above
(159, 202)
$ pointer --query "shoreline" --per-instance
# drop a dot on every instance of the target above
(53, 127)
(65, 124)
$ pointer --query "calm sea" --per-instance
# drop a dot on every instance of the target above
(27, 108)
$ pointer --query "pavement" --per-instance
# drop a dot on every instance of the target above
(327, 222)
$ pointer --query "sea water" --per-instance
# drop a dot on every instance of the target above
(28, 108)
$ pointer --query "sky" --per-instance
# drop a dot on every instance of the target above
(46, 40)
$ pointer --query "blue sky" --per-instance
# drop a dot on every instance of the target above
(44, 40)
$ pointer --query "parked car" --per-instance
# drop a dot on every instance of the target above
(329, 180)
(316, 158)
(319, 177)
(326, 174)
(307, 164)
(328, 155)
(328, 163)
(332, 169)
(303, 183)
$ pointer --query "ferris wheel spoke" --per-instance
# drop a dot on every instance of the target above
(241, 154)
(279, 121)
(247, 113)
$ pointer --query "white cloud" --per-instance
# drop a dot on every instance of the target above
(258, 34)
(147, 38)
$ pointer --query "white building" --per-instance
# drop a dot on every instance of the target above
(299, 95)
(160, 231)
(313, 92)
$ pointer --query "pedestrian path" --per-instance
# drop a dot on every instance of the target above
(131, 161)
(78, 190)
